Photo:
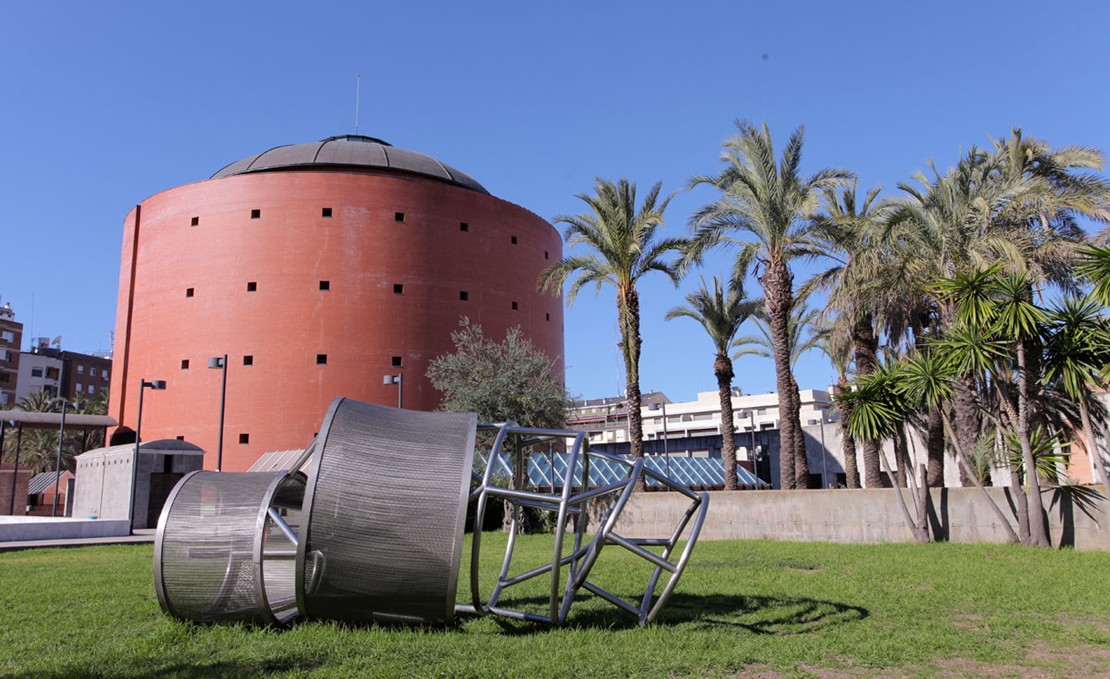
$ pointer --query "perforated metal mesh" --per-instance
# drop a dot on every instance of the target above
(208, 543)
(387, 499)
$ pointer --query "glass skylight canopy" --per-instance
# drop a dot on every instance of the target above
(689, 471)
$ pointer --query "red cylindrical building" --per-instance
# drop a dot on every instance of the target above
(318, 269)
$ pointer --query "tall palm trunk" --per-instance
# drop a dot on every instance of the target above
(778, 293)
(934, 446)
(866, 348)
(1038, 535)
(722, 368)
(630, 346)
(847, 441)
(801, 460)
(965, 403)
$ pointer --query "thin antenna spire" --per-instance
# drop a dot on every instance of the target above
(358, 79)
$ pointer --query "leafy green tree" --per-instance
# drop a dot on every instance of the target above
(770, 203)
(621, 247)
(721, 311)
(506, 381)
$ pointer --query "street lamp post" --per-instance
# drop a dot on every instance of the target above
(824, 480)
(666, 450)
(824, 463)
(395, 379)
(58, 462)
(752, 455)
(218, 362)
(143, 384)
(15, 470)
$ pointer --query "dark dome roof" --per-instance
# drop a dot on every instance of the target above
(349, 151)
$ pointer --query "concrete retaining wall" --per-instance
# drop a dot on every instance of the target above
(865, 516)
(20, 528)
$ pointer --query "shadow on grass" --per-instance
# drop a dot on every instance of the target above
(214, 670)
(756, 614)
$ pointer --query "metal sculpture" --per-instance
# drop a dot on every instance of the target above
(578, 501)
(374, 532)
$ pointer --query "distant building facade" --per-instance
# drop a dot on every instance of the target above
(11, 339)
(693, 428)
(68, 373)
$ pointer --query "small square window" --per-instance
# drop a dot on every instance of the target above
(80, 369)
(396, 361)
(188, 292)
(321, 359)
(248, 360)
(398, 216)
(514, 240)
(181, 438)
(80, 387)
(463, 226)
(325, 212)
(194, 221)
(252, 286)
(256, 214)
(398, 288)
(244, 438)
(325, 285)
(184, 364)
(515, 306)
(92, 389)
(463, 295)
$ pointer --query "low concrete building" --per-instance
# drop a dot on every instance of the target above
(104, 478)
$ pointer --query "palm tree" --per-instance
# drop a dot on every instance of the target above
(1016, 203)
(997, 327)
(721, 311)
(772, 204)
(622, 244)
(860, 286)
(880, 406)
(836, 345)
(1077, 355)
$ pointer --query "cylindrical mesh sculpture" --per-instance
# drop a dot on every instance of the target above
(374, 534)
(225, 547)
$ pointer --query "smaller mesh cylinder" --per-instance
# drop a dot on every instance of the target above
(212, 535)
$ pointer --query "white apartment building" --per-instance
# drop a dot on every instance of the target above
(693, 429)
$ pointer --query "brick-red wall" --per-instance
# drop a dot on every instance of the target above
(23, 477)
(360, 323)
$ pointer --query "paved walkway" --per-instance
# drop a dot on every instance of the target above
(142, 535)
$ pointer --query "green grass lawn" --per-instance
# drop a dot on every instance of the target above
(743, 609)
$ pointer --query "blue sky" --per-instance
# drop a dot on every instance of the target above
(104, 104)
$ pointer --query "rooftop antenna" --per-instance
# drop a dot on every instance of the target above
(358, 78)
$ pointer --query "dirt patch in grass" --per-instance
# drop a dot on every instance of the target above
(1040, 662)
